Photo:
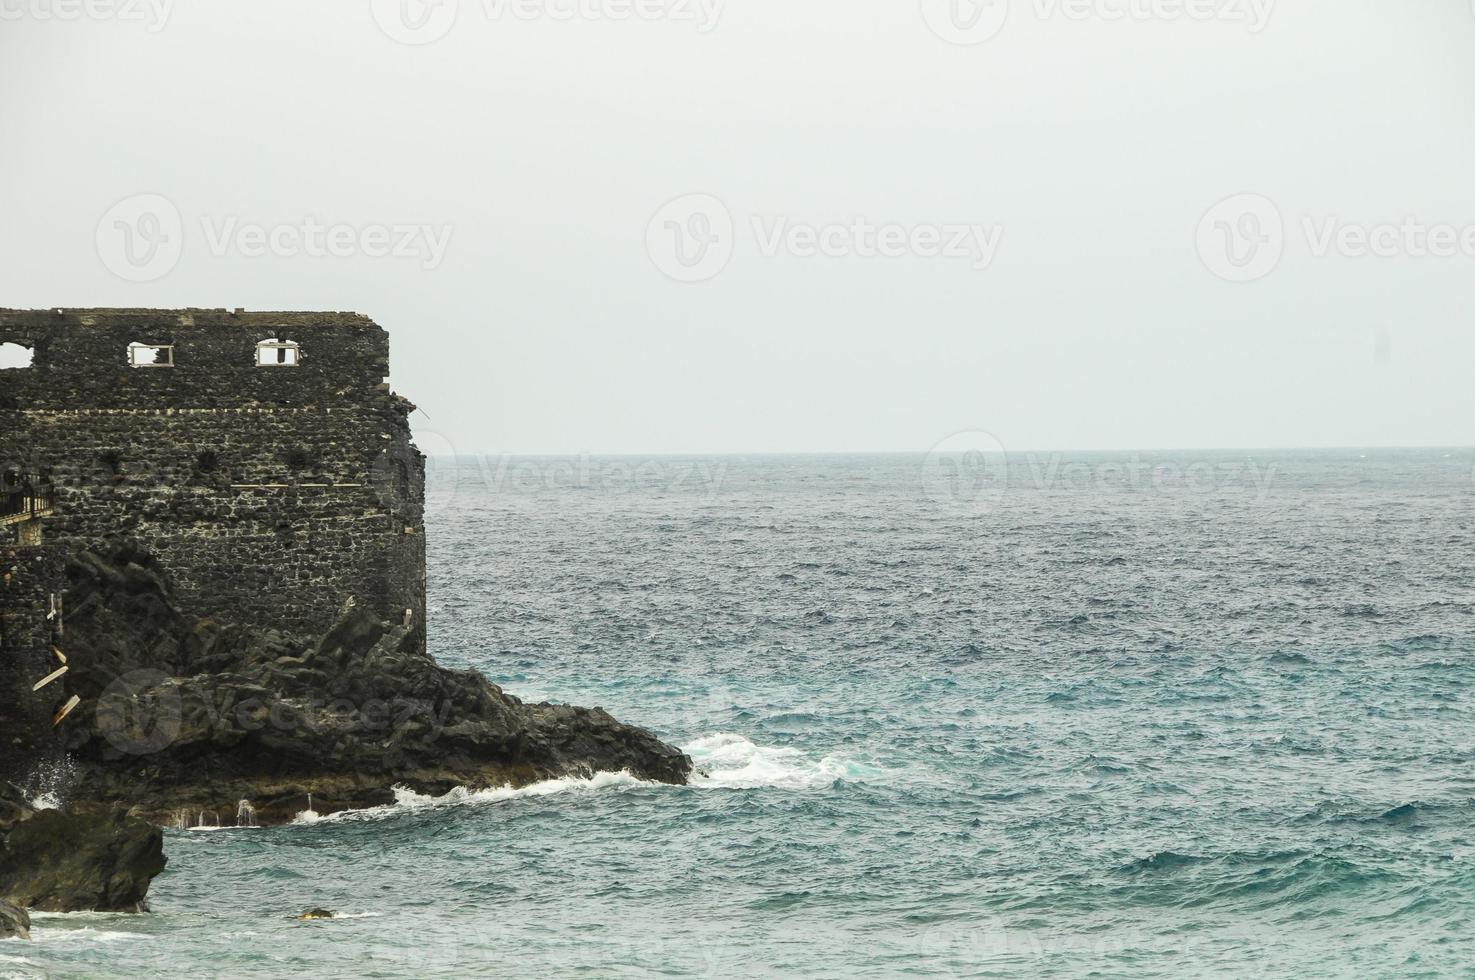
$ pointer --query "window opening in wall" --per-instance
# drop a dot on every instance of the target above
(150, 355)
(278, 353)
(15, 356)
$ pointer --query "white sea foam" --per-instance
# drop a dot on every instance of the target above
(82, 916)
(724, 761)
(88, 936)
(212, 828)
(18, 961)
(407, 800)
(45, 801)
(729, 761)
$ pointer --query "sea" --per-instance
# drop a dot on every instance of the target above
(956, 714)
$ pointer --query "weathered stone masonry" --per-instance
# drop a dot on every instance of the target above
(271, 492)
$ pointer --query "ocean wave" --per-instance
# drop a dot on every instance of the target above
(1260, 880)
(1410, 813)
(1290, 659)
(337, 917)
(408, 801)
(86, 935)
(1163, 861)
(724, 761)
(81, 916)
(1402, 813)
(728, 761)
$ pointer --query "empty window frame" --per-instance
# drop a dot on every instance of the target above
(150, 355)
(278, 353)
(15, 356)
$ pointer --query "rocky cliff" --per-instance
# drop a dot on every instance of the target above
(83, 858)
(184, 719)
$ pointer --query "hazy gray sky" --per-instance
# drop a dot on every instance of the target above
(779, 225)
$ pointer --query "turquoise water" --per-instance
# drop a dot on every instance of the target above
(1165, 716)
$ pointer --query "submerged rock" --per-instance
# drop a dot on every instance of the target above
(81, 858)
(184, 719)
(311, 914)
(14, 922)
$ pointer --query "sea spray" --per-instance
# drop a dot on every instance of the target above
(729, 761)
(309, 815)
(725, 762)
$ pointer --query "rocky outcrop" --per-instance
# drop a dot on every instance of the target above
(82, 858)
(14, 922)
(185, 720)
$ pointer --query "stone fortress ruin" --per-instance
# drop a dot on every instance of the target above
(261, 457)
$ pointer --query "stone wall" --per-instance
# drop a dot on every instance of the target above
(271, 494)
(28, 578)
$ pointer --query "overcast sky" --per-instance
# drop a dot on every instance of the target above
(786, 225)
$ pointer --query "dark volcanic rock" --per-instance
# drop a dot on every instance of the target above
(14, 922)
(83, 858)
(184, 720)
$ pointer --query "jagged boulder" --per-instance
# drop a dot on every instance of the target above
(81, 858)
(14, 922)
(184, 719)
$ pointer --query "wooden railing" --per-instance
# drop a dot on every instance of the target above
(17, 508)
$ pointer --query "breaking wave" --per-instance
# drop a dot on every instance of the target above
(727, 761)
(408, 801)
(723, 761)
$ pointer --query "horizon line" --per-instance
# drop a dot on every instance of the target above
(925, 452)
